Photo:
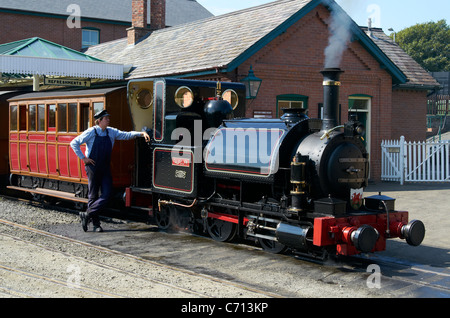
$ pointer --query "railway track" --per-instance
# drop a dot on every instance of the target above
(397, 277)
(186, 283)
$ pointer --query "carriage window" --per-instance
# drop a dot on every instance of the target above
(13, 116)
(62, 117)
(51, 118)
(98, 107)
(72, 117)
(41, 118)
(22, 117)
(84, 114)
(32, 117)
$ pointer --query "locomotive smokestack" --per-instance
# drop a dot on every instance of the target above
(330, 97)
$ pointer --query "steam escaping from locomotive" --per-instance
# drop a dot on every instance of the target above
(340, 35)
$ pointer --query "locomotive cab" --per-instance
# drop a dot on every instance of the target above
(179, 114)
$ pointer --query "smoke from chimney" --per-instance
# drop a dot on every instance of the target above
(340, 35)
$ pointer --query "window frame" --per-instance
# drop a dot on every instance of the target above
(291, 98)
(84, 43)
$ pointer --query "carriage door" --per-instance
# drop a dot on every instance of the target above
(360, 105)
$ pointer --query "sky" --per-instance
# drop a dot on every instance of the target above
(385, 14)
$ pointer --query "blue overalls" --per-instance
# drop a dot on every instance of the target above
(99, 176)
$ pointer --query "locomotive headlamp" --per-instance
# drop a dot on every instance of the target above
(252, 84)
(360, 130)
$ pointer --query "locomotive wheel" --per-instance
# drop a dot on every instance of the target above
(162, 218)
(272, 246)
(221, 231)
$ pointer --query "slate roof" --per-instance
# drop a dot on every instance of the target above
(177, 11)
(225, 41)
(200, 45)
(417, 76)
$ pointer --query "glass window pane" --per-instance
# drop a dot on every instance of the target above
(72, 117)
(22, 117)
(98, 107)
(40, 49)
(358, 104)
(62, 117)
(296, 104)
(84, 116)
(51, 122)
(90, 37)
(32, 117)
(283, 104)
(41, 118)
(13, 116)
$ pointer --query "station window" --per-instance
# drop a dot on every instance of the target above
(90, 37)
(13, 118)
(291, 101)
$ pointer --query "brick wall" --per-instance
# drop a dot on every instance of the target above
(21, 26)
(409, 114)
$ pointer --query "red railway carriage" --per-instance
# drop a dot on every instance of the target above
(41, 127)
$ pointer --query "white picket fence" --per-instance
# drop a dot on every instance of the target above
(415, 161)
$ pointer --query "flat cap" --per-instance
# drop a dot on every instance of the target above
(101, 114)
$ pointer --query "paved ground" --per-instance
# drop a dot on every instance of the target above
(429, 203)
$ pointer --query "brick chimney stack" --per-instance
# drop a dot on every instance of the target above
(158, 14)
(139, 18)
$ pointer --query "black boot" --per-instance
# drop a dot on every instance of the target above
(84, 216)
(96, 223)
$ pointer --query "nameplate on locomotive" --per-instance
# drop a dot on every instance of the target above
(173, 172)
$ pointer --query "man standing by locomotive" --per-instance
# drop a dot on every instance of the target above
(99, 142)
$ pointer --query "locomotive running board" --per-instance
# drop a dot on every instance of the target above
(51, 193)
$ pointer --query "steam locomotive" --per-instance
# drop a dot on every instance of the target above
(289, 183)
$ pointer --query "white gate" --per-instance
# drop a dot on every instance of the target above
(415, 161)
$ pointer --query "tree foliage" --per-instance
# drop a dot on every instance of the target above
(427, 43)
